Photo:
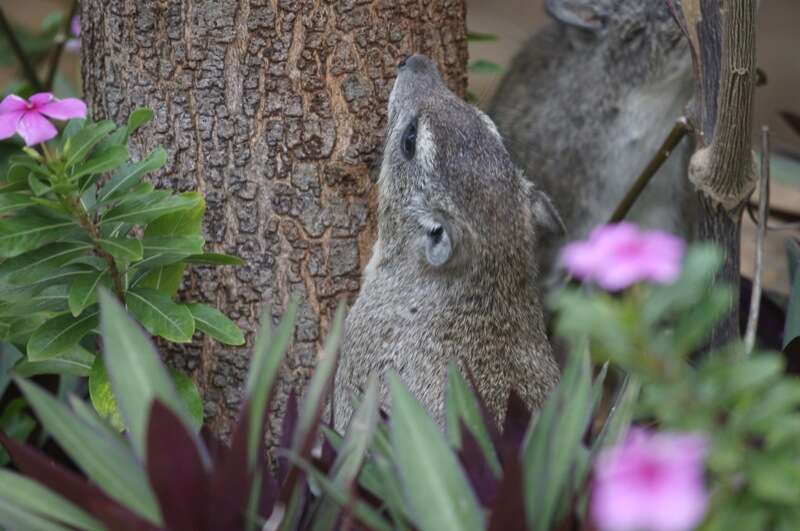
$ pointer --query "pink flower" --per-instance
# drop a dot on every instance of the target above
(74, 44)
(28, 117)
(653, 482)
(616, 256)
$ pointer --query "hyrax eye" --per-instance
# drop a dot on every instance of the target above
(409, 140)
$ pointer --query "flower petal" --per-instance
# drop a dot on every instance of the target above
(64, 109)
(75, 25)
(13, 103)
(35, 129)
(8, 123)
(41, 99)
(73, 45)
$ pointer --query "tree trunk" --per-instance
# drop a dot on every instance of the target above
(721, 35)
(274, 110)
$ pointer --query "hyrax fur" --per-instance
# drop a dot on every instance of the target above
(452, 277)
(588, 101)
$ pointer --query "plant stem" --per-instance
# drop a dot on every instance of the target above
(673, 139)
(24, 60)
(76, 207)
(55, 59)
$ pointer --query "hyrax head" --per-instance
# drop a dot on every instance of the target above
(450, 196)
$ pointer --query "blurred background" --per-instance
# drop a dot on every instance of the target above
(511, 22)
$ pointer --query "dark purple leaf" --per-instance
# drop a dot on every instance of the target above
(479, 473)
(508, 511)
(516, 424)
(771, 317)
(216, 448)
(176, 471)
(288, 427)
(119, 518)
(792, 356)
(231, 480)
(328, 453)
(792, 119)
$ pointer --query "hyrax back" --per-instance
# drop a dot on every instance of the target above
(453, 273)
(587, 102)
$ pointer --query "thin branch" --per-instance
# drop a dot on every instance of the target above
(670, 143)
(55, 59)
(27, 67)
(763, 202)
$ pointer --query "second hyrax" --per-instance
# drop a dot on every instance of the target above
(452, 276)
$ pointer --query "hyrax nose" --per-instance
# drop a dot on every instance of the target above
(414, 63)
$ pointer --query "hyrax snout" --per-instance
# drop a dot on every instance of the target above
(452, 277)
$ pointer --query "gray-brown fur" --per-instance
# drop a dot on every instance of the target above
(453, 272)
(585, 108)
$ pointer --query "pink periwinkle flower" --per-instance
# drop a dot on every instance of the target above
(650, 482)
(74, 44)
(28, 117)
(619, 255)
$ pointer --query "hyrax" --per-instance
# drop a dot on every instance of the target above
(588, 101)
(452, 277)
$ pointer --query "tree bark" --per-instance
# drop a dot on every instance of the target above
(722, 36)
(274, 110)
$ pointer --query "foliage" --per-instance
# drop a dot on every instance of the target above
(66, 230)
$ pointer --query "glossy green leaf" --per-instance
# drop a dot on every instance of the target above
(268, 353)
(166, 279)
(61, 334)
(76, 361)
(105, 161)
(30, 267)
(102, 395)
(37, 499)
(124, 250)
(129, 175)
(82, 142)
(214, 323)
(145, 209)
(11, 201)
(190, 394)
(135, 370)
(83, 291)
(463, 405)
(160, 315)
(107, 461)
(435, 484)
(9, 355)
(138, 118)
(27, 231)
(38, 187)
(166, 250)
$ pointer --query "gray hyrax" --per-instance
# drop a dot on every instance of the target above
(587, 102)
(452, 277)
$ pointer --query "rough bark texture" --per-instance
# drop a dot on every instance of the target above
(722, 37)
(274, 110)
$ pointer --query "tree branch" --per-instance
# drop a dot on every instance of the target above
(55, 59)
(27, 67)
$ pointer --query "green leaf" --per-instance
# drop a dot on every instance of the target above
(462, 404)
(123, 250)
(83, 291)
(9, 354)
(138, 118)
(620, 417)
(102, 395)
(106, 461)
(18, 519)
(25, 232)
(550, 448)
(160, 315)
(215, 259)
(31, 266)
(475, 36)
(437, 489)
(103, 162)
(60, 334)
(351, 454)
(37, 499)
(136, 372)
(17, 424)
(165, 250)
(145, 209)
(13, 201)
(482, 66)
(75, 362)
(129, 175)
(165, 279)
(268, 354)
(84, 140)
(190, 395)
(792, 325)
(215, 324)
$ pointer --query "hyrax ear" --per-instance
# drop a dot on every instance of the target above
(438, 243)
(545, 214)
(586, 14)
